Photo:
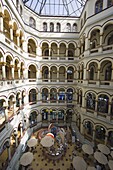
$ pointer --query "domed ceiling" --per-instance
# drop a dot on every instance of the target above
(56, 7)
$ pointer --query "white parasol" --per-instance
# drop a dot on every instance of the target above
(79, 163)
(110, 163)
(111, 154)
(47, 141)
(32, 142)
(26, 159)
(91, 168)
(100, 157)
(87, 149)
(104, 149)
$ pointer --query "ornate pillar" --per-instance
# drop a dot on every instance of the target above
(98, 73)
(101, 37)
(49, 51)
(12, 72)
(57, 75)
(49, 117)
(106, 138)
(14, 106)
(20, 101)
(58, 51)
(85, 74)
(8, 151)
(57, 118)
(16, 137)
(21, 129)
(49, 74)
(64, 118)
(3, 71)
(18, 38)
(112, 73)
(1, 22)
(87, 43)
(82, 128)
(5, 106)
(93, 134)
(66, 52)
(11, 30)
(18, 66)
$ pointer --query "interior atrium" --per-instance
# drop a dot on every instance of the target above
(56, 67)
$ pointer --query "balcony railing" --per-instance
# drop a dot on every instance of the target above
(107, 47)
(59, 58)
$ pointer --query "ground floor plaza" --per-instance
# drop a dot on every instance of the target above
(64, 151)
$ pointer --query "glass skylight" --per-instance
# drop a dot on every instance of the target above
(56, 7)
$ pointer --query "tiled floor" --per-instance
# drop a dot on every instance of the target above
(40, 163)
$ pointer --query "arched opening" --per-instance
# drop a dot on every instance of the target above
(53, 95)
(103, 103)
(32, 96)
(90, 101)
(45, 95)
(33, 119)
(44, 115)
(100, 134)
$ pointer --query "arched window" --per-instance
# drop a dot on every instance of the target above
(90, 101)
(100, 133)
(32, 22)
(69, 95)
(33, 119)
(44, 95)
(103, 102)
(98, 6)
(74, 27)
(32, 96)
(45, 26)
(44, 114)
(51, 27)
(68, 27)
(108, 72)
(110, 40)
(91, 73)
(110, 3)
(58, 27)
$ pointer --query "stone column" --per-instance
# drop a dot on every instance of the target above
(48, 116)
(3, 71)
(11, 31)
(66, 52)
(106, 138)
(18, 66)
(49, 51)
(112, 73)
(8, 151)
(58, 51)
(101, 37)
(64, 118)
(14, 106)
(1, 22)
(5, 106)
(21, 129)
(87, 43)
(93, 134)
(82, 128)
(16, 137)
(49, 74)
(85, 74)
(12, 72)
